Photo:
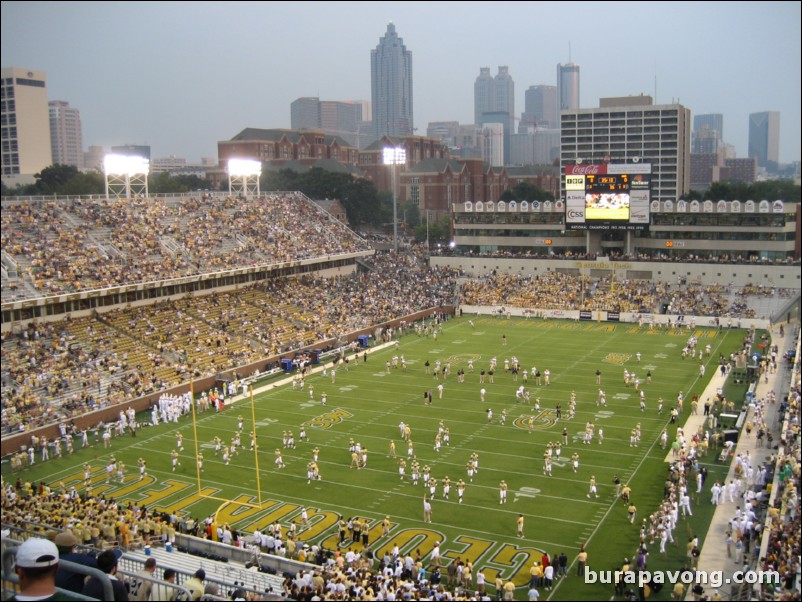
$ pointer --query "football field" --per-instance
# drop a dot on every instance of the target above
(367, 403)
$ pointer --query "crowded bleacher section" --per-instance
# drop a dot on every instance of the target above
(69, 246)
(54, 371)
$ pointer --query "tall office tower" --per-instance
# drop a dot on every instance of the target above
(391, 86)
(26, 146)
(365, 110)
(764, 139)
(482, 95)
(491, 143)
(494, 102)
(705, 141)
(305, 113)
(567, 88)
(540, 108)
(504, 92)
(65, 134)
(93, 157)
(446, 131)
(645, 132)
(710, 121)
(132, 150)
(707, 134)
(340, 118)
(536, 147)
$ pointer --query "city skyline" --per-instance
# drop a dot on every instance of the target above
(154, 73)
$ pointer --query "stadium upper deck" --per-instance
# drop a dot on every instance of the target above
(52, 248)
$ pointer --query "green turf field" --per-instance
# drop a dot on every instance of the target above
(367, 403)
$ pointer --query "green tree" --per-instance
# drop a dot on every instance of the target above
(188, 182)
(439, 232)
(282, 179)
(83, 184)
(784, 190)
(163, 183)
(411, 213)
(159, 183)
(364, 204)
(52, 178)
(20, 190)
(772, 190)
(362, 201)
(526, 191)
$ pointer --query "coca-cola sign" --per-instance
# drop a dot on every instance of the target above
(584, 170)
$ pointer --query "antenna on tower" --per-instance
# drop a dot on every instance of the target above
(655, 81)
(569, 52)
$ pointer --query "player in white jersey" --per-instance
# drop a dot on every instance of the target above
(460, 489)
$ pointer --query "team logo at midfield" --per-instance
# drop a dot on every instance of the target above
(329, 419)
(542, 420)
(464, 358)
(619, 359)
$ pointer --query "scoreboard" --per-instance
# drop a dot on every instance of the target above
(607, 196)
(607, 183)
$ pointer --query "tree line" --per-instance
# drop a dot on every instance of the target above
(364, 204)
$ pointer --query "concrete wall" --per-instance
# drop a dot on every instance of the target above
(605, 316)
(738, 275)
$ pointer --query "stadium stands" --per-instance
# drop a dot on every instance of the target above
(55, 371)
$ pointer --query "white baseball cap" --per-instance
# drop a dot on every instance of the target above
(35, 553)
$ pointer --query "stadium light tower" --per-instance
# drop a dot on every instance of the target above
(395, 155)
(243, 176)
(125, 174)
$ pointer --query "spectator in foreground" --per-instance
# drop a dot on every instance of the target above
(106, 562)
(162, 592)
(195, 585)
(66, 578)
(36, 566)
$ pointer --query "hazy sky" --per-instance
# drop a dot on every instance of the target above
(180, 76)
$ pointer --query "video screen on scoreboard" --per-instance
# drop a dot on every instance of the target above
(607, 196)
(607, 206)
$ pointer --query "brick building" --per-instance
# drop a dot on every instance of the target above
(436, 184)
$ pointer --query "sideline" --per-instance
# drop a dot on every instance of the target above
(714, 551)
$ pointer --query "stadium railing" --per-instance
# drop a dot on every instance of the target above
(11, 580)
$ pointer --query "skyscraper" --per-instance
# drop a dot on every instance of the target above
(305, 113)
(504, 91)
(482, 95)
(706, 138)
(764, 139)
(66, 139)
(491, 143)
(567, 88)
(391, 86)
(494, 102)
(26, 124)
(341, 118)
(540, 108)
(711, 121)
(585, 136)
